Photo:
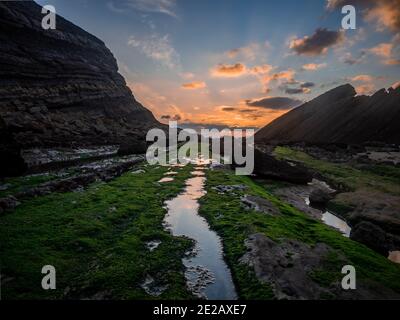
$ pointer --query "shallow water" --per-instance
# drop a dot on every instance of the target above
(394, 256)
(207, 274)
(334, 221)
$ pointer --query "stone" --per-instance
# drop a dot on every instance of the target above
(9, 203)
(320, 196)
(265, 165)
(68, 87)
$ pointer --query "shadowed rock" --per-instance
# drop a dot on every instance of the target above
(266, 165)
(339, 116)
(61, 88)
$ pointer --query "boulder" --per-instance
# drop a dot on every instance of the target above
(8, 203)
(266, 165)
(370, 235)
(320, 196)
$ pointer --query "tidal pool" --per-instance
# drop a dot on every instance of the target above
(207, 274)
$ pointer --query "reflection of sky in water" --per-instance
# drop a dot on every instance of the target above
(334, 221)
(394, 256)
(183, 219)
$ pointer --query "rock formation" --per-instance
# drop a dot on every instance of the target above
(61, 88)
(339, 116)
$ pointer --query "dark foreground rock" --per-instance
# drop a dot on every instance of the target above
(320, 196)
(375, 237)
(265, 165)
(60, 88)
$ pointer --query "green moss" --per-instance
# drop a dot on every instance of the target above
(18, 184)
(96, 240)
(344, 176)
(234, 224)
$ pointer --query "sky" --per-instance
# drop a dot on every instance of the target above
(240, 63)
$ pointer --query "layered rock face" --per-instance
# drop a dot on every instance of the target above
(339, 116)
(61, 87)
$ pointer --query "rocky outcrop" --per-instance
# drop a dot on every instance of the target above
(86, 177)
(289, 266)
(320, 196)
(265, 165)
(375, 238)
(339, 116)
(61, 87)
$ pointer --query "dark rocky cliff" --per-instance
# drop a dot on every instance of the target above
(61, 87)
(339, 116)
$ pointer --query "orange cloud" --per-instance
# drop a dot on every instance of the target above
(287, 75)
(313, 66)
(194, 85)
(263, 69)
(383, 50)
(228, 70)
(385, 13)
(396, 85)
(391, 62)
(362, 78)
(365, 89)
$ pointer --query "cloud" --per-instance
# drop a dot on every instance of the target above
(262, 69)
(287, 76)
(385, 51)
(307, 85)
(194, 85)
(297, 90)
(249, 52)
(350, 60)
(229, 70)
(175, 117)
(153, 6)
(276, 103)
(228, 109)
(362, 78)
(158, 48)
(313, 66)
(367, 89)
(396, 85)
(318, 43)
(384, 13)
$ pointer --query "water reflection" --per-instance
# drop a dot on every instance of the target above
(334, 221)
(394, 256)
(207, 274)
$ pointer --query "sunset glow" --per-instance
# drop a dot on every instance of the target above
(202, 62)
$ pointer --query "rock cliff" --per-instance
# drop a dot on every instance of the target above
(339, 116)
(61, 87)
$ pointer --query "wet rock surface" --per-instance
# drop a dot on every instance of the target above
(229, 188)
(287, 266)
(151, 287)
(259, 204)
(88, 175)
